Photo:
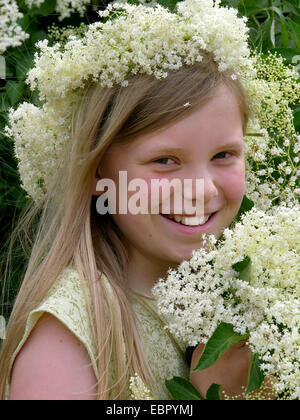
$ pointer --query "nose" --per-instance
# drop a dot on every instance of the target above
(210, 189)
(207, 187)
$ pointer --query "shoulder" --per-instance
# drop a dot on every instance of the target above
(69, 301)
(52, 364)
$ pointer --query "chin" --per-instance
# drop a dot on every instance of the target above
(185, 255)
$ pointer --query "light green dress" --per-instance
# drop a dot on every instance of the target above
(67, 303)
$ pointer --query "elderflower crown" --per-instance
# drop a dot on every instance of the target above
(149, 39)
(142, 39)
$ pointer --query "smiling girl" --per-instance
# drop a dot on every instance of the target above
(85, 319)
(206, 144)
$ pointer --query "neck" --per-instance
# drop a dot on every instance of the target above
(143, 273)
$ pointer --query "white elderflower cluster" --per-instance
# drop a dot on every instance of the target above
(11, 34)
(262, 301)
(138, 389)
(35, 150)
(273, 152)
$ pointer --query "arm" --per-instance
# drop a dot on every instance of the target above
(52, 365)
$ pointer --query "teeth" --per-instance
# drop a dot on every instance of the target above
(190, 221)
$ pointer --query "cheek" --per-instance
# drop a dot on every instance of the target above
(136, 229)
(150, 193)
(234, 183)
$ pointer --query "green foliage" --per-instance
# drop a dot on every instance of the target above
(255, 375)
(243, 268)
(181, 389)
(221, 340)
(214, 392)
(272, 23)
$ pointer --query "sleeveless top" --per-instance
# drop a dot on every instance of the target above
(66, 301)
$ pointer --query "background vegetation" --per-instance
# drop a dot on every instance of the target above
(274, 26)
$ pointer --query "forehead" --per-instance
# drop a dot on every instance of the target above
(218, 122)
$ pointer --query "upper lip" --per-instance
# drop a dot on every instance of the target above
(187, 215)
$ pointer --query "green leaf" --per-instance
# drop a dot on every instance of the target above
(295, 32)
(246, 205)
(233, 3)
(28, 22)
(182, 389)
(278, 11)
(169, 4)
(241, 265)
(250, 11)
(264, 41)
(214, 392)
(24, 22)
(47, 7)
(24, 62)
(38, 36)
(4, 104)
(221, 341)
(243, 268)
(297, 120)
(255, 375)
(288, 7)
(287, 53)
(284, 34)
(14, 91)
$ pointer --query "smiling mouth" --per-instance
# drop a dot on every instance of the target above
(188, 220)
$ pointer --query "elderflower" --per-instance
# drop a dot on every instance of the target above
(11, 34)
(38, 151)
(272, 92)
(264, 302)
(138, 389)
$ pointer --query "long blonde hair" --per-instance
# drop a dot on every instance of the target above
(70, 232)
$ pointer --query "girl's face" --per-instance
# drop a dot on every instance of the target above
(208, 144)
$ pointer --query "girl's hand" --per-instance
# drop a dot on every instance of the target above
(230, 371)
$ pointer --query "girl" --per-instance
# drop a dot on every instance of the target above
(84, 320)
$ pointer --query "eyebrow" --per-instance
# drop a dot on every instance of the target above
(232, 145)
(180, 149)
(167, 149)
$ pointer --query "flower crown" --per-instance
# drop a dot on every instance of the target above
(149, 39)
